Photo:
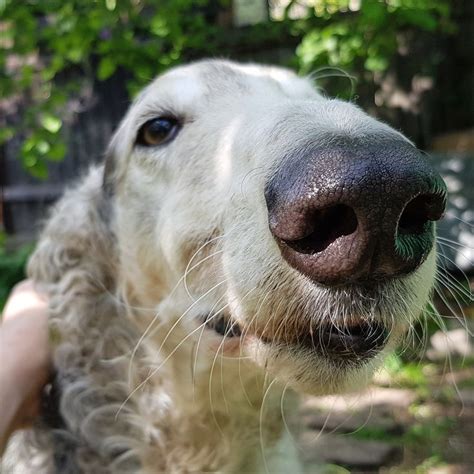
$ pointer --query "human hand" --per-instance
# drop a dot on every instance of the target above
(25, 358)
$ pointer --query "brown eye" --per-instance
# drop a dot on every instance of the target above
(157, 131)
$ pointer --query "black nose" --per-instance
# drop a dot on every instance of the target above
(355, 210)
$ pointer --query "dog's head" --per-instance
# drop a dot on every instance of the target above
(271, 222)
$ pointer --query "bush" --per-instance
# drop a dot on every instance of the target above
(12, 268)
(48, 48)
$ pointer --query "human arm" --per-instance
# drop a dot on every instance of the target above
(24, 358)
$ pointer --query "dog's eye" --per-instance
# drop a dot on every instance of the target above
(157, 131)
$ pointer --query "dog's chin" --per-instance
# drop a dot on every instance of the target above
(311, 373)
(318, 361)
(351, 344)
(328, 359)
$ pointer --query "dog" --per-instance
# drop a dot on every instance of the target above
(247, 238)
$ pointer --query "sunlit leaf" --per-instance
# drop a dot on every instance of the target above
(42, 146)
(75, 54)
(110, 4)
(28, 144)
(51, 123)
(376, 63)
(159, 26)
(106, 68)
(3, 5)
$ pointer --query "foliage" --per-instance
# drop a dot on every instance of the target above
(408, 374)
(12, 265)
(51, 51)
(365, 39)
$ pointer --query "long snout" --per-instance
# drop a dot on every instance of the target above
(355, 210)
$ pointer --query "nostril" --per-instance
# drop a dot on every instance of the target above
(419, 212)
(324, 226)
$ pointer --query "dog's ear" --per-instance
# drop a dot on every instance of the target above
(118, 147)
(108, 180)
(77, 236)
(76, 264)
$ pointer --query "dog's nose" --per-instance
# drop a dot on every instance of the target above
(355, 210)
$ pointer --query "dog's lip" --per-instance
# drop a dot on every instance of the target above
(222, 325)
(355, 341)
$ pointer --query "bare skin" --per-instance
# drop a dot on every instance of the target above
(25, 358)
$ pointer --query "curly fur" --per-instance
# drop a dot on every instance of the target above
(133, 260)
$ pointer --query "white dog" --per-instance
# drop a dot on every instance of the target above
(247, 237)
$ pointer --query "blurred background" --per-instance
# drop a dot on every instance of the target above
(69, 68)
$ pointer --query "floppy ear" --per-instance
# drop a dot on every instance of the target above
(76, 263)
(112, 173)
(78, 236)
(109, 175)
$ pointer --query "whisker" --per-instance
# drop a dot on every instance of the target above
(454, 216)
(453, 242)
(194, 303)
(339, 72)
(213, 315)
(464, 293)
(282, 413)
(154, 371)
(470, 260)
(188, 270)
(155, 318)
(216, 356)
(262, 408)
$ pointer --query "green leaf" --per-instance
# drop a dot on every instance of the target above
(57, 152)
(376, 63)
(51, 123)
(39, 170)
(28, 145)
(3, 5)
(42, 147)
(6, 134)
(29, 160)
(106, 68)
(35, 165)
(159, 26)
(75, 55)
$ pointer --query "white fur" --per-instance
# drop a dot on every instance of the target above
(145, 386)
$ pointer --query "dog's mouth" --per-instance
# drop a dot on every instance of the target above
(356, 342)
(353, 343)
(222, 325)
